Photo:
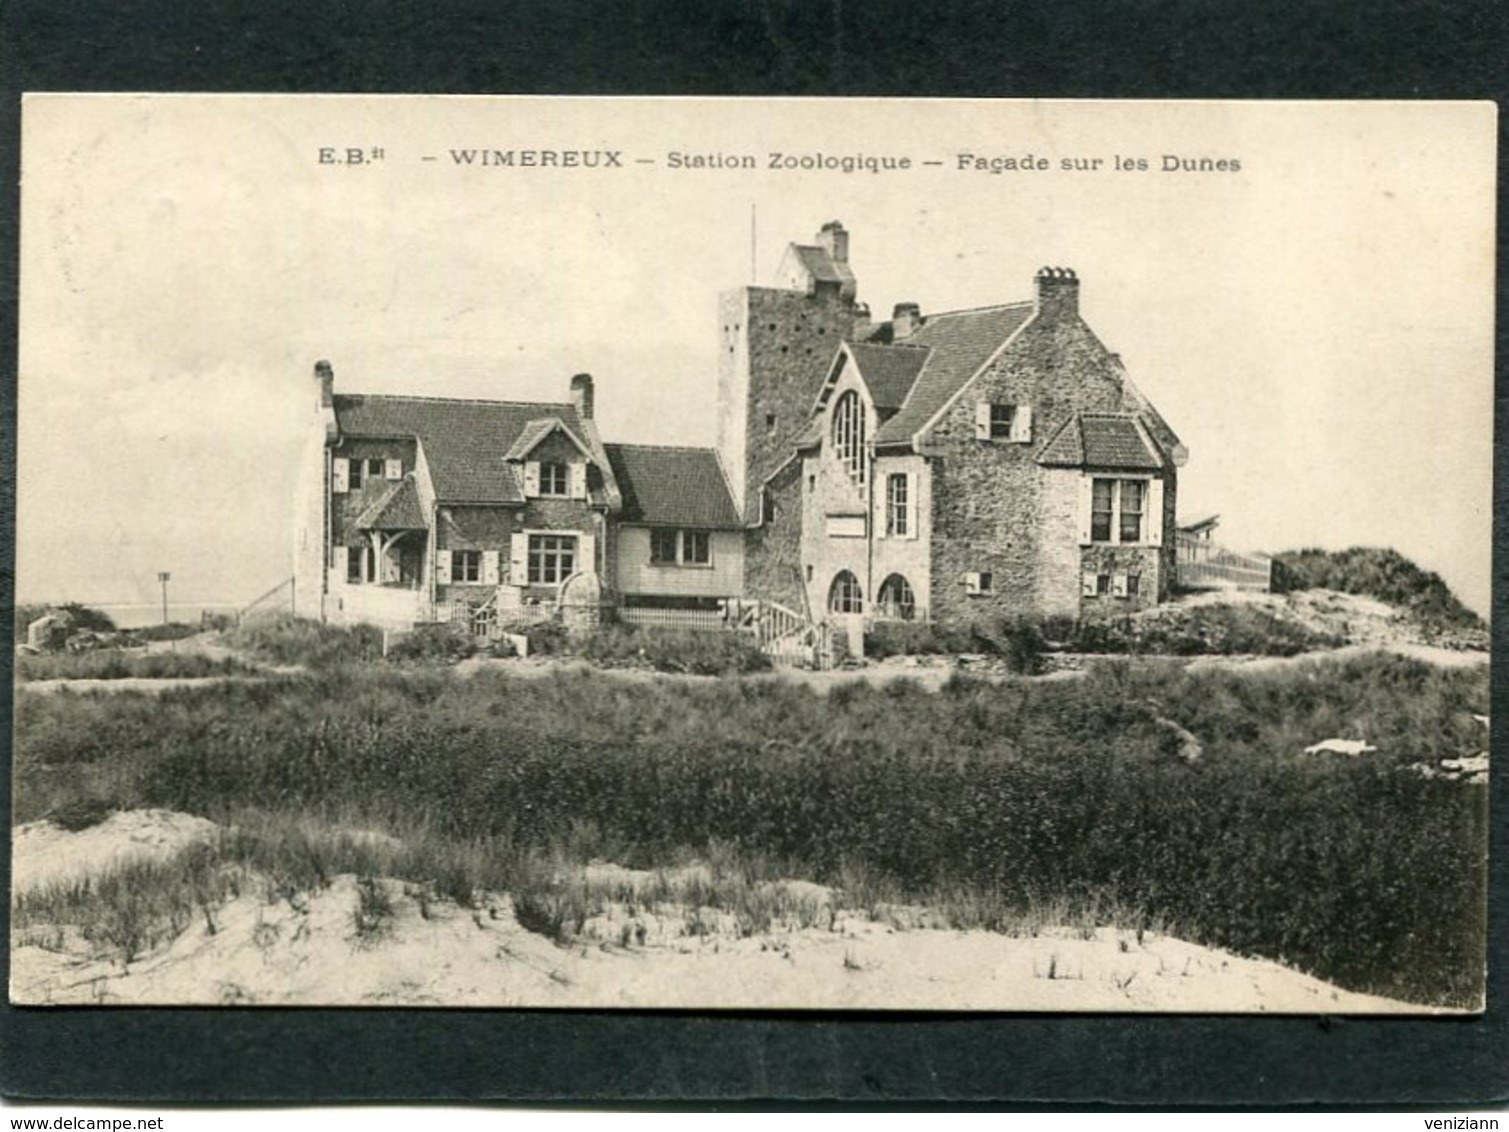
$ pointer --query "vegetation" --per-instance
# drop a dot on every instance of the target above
(1198, 630)
(701, 652)
(1001, 798)
(442, 644)
(312, 644)
(170, 631)
(1019, 641)
(118, 664)
(1380, 573)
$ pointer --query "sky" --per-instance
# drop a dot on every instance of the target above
(1316, 323)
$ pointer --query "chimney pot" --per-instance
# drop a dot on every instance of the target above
(834, 240)
(582, 395)
(905, 319)
(324, 374)
(1057, 291)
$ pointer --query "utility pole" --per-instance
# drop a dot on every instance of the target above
(163, 576)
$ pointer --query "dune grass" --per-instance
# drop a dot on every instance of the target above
(996, 801)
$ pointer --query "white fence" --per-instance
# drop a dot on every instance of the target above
(676, 618)
(1204, 565)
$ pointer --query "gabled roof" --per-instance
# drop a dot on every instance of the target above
(464, 441)
(1101, 440)
(958, 344)
(889, 371)
(536, 431)
(822, 266)
(672, 487)
(396, 509)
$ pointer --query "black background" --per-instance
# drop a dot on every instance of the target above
(1179, 49)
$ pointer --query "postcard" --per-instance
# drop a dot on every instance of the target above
(753, 554)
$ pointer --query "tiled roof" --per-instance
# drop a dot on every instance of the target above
(674, 487)
(889, 371)
(959, 343)
(536, 431)
(464, 441)
(1101, 440)
(396, 509)
(822, 266)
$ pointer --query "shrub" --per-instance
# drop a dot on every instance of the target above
(300, 641)
(1018, 641)
(172, 631)
(1376, 572)
(442, 643)
(114, 664)
(80, 813)
(546, 638)
(1200, 630)
(702, 652)
(85, 618)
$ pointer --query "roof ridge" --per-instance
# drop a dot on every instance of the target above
(458, 400)
(976, 310)
(891, 345)
(660, 447)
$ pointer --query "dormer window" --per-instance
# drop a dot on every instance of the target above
(849, 435)
(555, 479)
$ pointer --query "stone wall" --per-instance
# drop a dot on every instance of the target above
(775, 349)
(995, 509)
(773, 550)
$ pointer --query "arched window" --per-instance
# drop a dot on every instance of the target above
(895, 600)
(845, 595)
(849, 435)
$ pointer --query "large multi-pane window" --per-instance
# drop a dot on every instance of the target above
(555, 479)
(896, 505)
(552, 559)
(1118, 510)
(670, 547)
(664, 547)
(849, 435)
(466, 566)
(896, 600)
(846, 595)
(1133, 492)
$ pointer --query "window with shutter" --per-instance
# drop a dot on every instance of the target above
(1087, 583)
(554, 479)
(1154, 534)
(1119, 585)
(340, 475)
(578, 475)
(1021, 425)
(982, 420)
(518, 555)
(911, 505)
(443, 567)
(393, 469)
(490, 567)
(531, 478)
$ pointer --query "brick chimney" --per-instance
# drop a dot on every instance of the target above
(581, 395)
(834, 240)
(1057, 291)
(905, 319)
(324, 375)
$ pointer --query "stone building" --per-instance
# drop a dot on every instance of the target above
(955, 466)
